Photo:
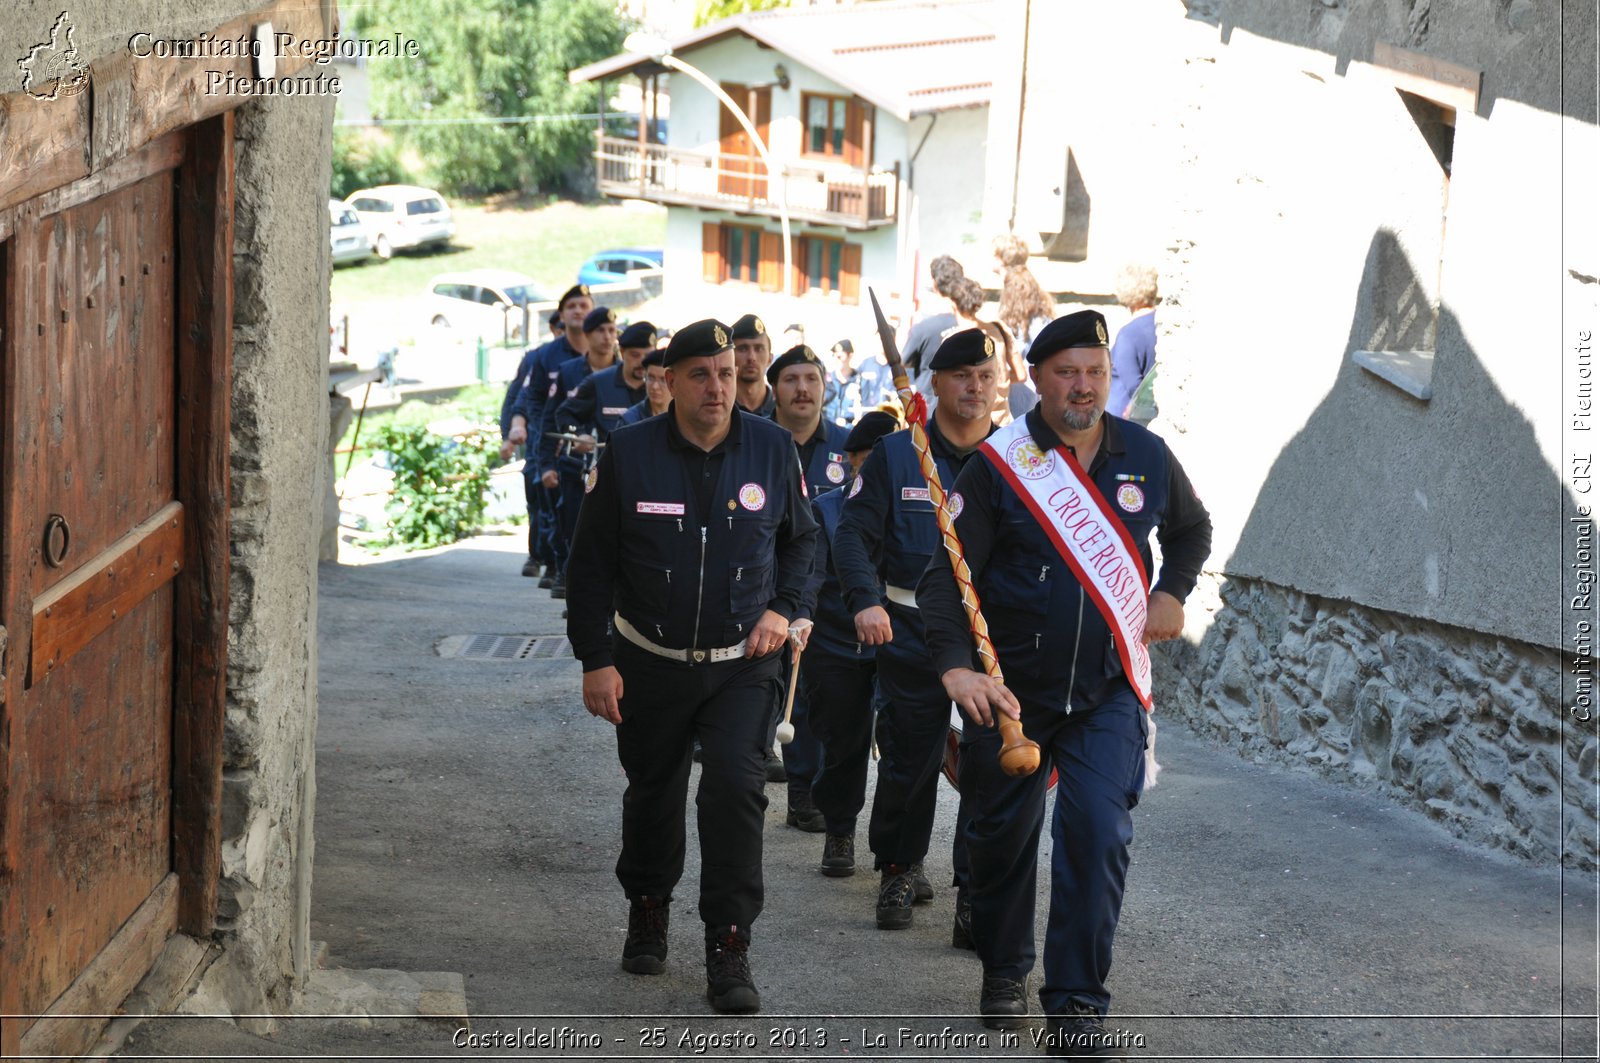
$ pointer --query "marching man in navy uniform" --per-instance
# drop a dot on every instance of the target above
(1055, 517)
(564, 466)
(601, 399)
(752, 351)
(695, 542)
(796, 379)
(886, 535)
(838, 674)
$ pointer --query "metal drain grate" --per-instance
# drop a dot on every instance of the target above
(506, 647)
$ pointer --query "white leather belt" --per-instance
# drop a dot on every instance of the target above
(901, 596)
(631, 633)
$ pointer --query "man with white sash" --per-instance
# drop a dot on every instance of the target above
(1055, 518)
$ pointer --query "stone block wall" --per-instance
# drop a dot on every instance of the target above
(1465, 726)
(279, 465)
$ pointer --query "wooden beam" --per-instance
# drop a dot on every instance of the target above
(204, 328)
(1446, 83)
(43, 144)
(73, 1023)
(69, 615)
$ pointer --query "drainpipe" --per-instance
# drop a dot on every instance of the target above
(1022, 112)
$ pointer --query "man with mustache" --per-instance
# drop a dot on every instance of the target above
(796, 379)
(1055, 520)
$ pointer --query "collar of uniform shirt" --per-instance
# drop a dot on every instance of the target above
(1045, 436)
(678, 441)
(942, 445)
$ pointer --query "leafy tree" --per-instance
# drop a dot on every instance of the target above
(711, 10)
(363, 159)
(492, 59)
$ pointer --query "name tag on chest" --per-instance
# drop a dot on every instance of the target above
(613, 411)
(669, 509)
(914, 494)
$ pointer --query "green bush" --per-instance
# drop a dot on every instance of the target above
(364, 160)
(440, 485)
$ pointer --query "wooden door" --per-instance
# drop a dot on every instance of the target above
(96, 463)
(744, 174)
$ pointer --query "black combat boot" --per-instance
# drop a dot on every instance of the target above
(961, 933)
(729, 985)
(1080, 1033)
(920, 883)
(645, 951)
(839, 855)
(896, 894)
(804, 813)
(1003, 1002)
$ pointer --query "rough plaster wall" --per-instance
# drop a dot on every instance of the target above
(1465, 726)
(280, 426)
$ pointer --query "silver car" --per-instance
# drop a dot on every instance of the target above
(403, 216)
(347, 235)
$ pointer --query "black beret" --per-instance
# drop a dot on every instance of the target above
(654, 357)
(555, 319)
(638, 334)
(846, 346)
(873, 426)
(797, 355)
(749, 327)
(572, 293)
(1086, 328)
(700, 339)
(971, 346)
(600, 315)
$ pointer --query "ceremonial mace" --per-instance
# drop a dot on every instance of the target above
(786, 729)
(1019, 754)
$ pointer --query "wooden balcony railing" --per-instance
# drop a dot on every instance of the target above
(852, 198)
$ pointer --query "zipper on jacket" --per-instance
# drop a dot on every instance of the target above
(1077, 643)
(1044, 570)
(700, 596)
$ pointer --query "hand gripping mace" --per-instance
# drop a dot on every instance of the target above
(1019, 754)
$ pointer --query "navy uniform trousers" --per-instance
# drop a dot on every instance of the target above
(913, 720)
(840, 692)
(666, 704)
(1099, 753)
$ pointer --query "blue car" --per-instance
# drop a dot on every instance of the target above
(609, 267)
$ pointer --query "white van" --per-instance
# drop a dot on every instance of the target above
(402, 216)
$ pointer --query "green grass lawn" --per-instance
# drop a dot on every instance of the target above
(548, 243)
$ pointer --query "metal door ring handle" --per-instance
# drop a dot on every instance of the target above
(57, 540)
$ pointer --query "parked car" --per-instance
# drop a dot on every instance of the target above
(346, 235)
(403, 216)
(487, 303)
(609, 267)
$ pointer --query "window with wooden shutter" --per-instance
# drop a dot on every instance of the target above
(770, 274)
(834, 127)
(850, 275)
(711, 253)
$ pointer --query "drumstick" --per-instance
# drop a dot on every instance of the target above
(786, 729)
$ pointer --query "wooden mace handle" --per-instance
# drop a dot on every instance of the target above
(1019, 754)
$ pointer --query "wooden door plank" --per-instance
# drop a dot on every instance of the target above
(74, 1022)
(68, 616)
(204, 331)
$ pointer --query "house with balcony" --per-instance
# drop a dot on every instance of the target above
(875, 117)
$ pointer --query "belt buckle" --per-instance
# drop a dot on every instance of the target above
(698, 655)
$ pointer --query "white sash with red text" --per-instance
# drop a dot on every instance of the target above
(1086, 533)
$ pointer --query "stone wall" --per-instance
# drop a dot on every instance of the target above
(280, 456)
(1465, 726)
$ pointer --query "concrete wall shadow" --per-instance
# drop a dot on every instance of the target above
(1392, 613)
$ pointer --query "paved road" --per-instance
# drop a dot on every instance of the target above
(467, 821)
